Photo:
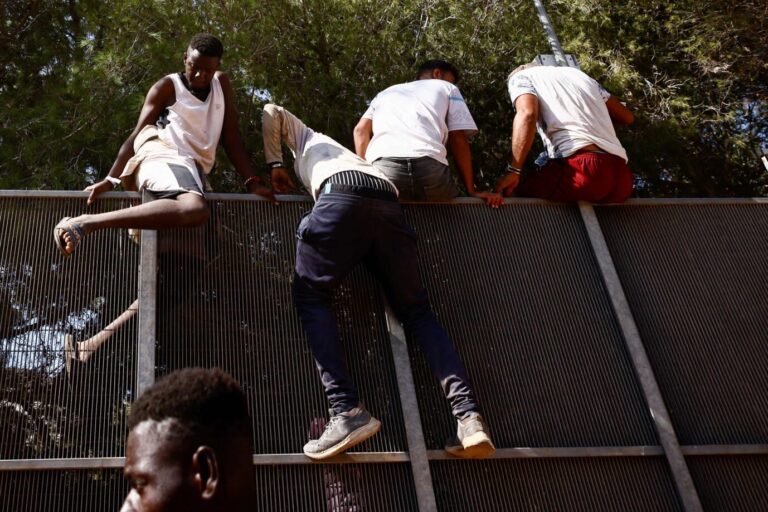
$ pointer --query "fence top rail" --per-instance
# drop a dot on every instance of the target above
(679, 201)
(65, 194)
(218, 196)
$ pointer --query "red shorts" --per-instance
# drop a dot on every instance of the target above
(587, 176)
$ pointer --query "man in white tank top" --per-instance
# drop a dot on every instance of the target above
(170, 151)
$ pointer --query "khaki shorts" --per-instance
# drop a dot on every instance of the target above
(160, 168)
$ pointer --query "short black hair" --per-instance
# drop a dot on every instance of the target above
(442, 65)
(207, 403)
(207, 45)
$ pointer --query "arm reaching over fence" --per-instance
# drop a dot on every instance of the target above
(357, 218)
(408, 130)
(584, 160)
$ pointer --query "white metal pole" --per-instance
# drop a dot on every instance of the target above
(554, 42)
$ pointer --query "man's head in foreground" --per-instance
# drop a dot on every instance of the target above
(189, 445)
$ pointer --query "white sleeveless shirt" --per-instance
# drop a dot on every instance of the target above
(194, 126)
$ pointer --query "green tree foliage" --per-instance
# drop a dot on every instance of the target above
(73, 76)
(696, 72)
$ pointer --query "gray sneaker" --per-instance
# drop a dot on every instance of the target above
(472, 439)
(342, 432)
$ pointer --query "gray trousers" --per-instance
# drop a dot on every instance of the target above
(419, 179)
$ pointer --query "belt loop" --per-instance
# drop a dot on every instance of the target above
(327, 188)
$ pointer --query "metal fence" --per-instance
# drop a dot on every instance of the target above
(619, 353)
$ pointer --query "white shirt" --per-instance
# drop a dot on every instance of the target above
(194, 126)
(317, 156)
(412, 120)
(572, 111)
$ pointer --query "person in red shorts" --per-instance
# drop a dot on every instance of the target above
(584, 160)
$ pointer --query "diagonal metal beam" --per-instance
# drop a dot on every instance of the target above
(640, 361)
(417, 449)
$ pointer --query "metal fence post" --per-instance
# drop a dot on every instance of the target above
(145, 350)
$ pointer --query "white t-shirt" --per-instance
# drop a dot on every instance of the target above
(317, 156)
(412, 120)
(572, 111)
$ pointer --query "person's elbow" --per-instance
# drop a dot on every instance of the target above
(362, 130)
(624, 117)
(270, 111)
(526, 108)
(361, 135)
(618, 112)
(526, 116)
(457, 136)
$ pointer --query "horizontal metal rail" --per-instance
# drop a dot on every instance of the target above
(562, 452)
(724, 449)
(259, 459)
(65, 194)
(614, 451)
(285, 459)
(708, 201)
(56, 464)
(344, 458)
(219, 196)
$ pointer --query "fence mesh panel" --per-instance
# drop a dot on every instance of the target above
(46, 410)
(520, 293)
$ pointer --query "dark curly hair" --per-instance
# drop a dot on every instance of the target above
(208, 405)
(442, 65)
(207, 45)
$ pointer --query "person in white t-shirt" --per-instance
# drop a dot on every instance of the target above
(170, 151)
(574, 115)
(406, 129)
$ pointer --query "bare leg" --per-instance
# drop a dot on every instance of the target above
(186, 210)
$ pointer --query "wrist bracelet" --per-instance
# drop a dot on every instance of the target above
(514, 170)
(273, 165)
(250, 180)
(114, 181)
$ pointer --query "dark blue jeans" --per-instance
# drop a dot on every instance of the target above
(341, 231)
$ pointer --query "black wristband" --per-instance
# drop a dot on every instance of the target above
(274, 165)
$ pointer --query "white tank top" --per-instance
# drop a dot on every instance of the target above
(194, 126)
